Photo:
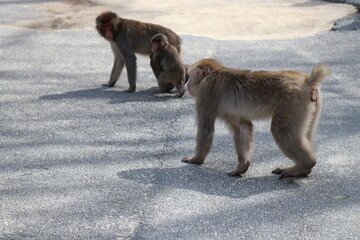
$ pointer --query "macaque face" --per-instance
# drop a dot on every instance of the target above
(196, 75)
(108, 31)
(154, 47)
(158, 43)
(106, 25)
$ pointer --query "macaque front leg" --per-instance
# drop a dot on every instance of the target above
(204, 140)
(130, 63)
(129, 57)
(243, 137)
(193, 160)
(181, 90)
(118, 66)
(116, 72)
(156, 70)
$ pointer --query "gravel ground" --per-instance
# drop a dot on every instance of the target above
(80, 161)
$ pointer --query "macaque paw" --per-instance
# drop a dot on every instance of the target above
(107, 85)
(278, 171)
(180, 94)
(240, 169)
(235, 174)
(155, 90)
(192, 160)
(291, 172)
(130, 90)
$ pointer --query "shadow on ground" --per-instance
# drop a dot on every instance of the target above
(206, 180)
(114, 95)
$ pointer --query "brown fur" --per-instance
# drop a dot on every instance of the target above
(167, 65)
(240, 96)
(130, 37)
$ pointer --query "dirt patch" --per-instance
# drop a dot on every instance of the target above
(231, 19)
(69, 14)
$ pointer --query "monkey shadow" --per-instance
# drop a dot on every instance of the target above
(146, 95)
(207, 181)
(113, 94)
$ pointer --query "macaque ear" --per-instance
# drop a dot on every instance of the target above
(203, 72)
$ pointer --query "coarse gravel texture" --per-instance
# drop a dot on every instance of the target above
(81, 161)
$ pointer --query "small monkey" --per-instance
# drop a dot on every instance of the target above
(167, 65)
(292, 99)
(126, 38)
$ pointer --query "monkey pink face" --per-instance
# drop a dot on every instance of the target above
(196, 74)
(108, 31)
(154, 47)
(158, 43)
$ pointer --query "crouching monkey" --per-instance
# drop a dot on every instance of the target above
(292, 99)
(167, 65)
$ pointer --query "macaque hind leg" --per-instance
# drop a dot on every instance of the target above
(243, 137)
(314, 120)
(293, 142)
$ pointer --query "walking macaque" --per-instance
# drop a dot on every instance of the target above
(291, 98)
(126, 38)
(167, 65)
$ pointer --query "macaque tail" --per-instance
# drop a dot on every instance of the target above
(318, 75)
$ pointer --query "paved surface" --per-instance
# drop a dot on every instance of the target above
(351, 23)
(79, 161)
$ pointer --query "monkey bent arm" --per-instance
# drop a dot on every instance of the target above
(157, 61)
(170, 62)
(155, 69)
